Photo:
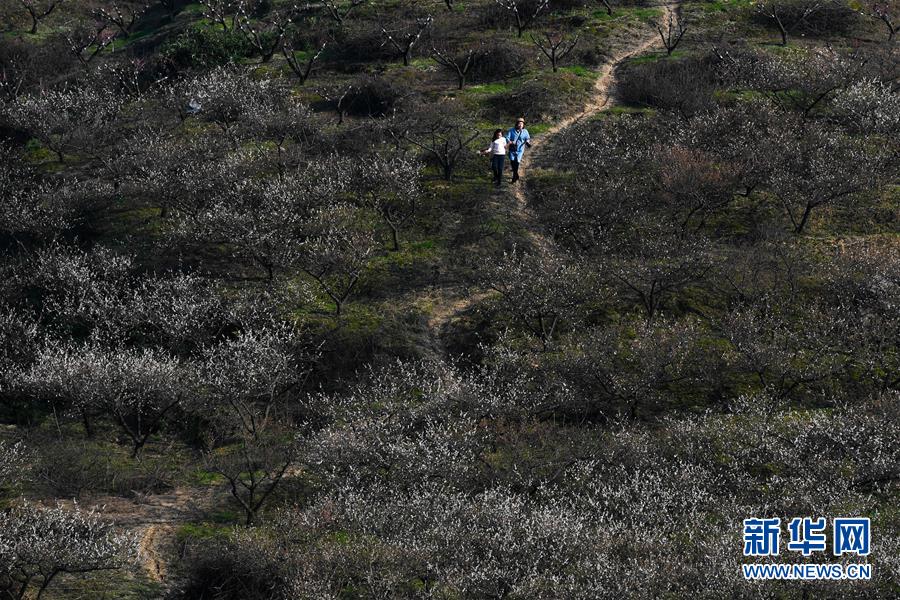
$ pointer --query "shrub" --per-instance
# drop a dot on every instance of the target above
(499, 61)
(69, 470)
(591, 55)
(550, 96)
(206, 47)
(358, 45)
(836, 17)
(808, 17)
(243, 567)
(373, 97)
(494, 16)
(567, 5)
(684, 85)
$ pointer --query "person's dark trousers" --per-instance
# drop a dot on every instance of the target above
(497, 168)
(515, 169)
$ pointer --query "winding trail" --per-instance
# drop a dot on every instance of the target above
(599, 102)
(451, 309)
(154, 519)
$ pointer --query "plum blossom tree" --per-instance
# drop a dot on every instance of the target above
(882, 12)
(863, 284)
(459, 63)
(245, 380)
(38, 10)
(693, 185)
(254, 221)
(652, 269)
(292, 129)
(176, 311)
(303, 70)
(339, 11)
(390, 186)
(123, 16)
(266, 36)
(32, 205)
(87, 40)
(17, 69)
(525, 13)
(336, 96)
(297, 222)
(868, 106)
(222, 12)
(182, 176)
(824, 167)
(405, 39)
(405, 423)
(136, 389)
(672, 34)
(445, 136)
(788, 15)
(786, 353)
(76, 289)
(632, 373)
(19, 344)
(37, 544)
(801, 84)
(336, 251)
(745, 139)
(101, 294)
(540, 290)
(555, 47)
(65, 119)
(226, 97)
(255, 467)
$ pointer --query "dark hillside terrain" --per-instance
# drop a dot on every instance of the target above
(267, 331)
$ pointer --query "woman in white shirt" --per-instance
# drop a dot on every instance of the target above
(497, 150)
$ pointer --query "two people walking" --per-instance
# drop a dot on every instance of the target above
(513, 143)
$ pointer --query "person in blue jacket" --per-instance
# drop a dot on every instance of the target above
(518, 140)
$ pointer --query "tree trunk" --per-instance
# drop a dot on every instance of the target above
(799, 227)
(23, 588)
(88, 427)
(44, 585)
(782, 31)
(395, 239)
